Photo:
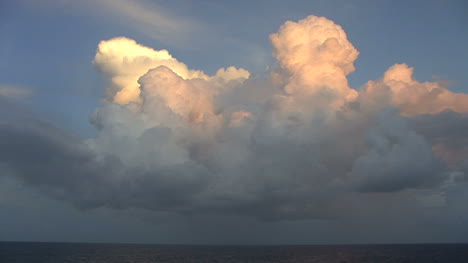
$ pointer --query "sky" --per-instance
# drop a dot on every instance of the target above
(234, 122)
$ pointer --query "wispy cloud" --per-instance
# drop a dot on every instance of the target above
(145, 17)
(14, 92)
(152, 20)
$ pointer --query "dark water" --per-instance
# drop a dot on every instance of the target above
(19, 252)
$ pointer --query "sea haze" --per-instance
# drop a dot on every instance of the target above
(29, 252)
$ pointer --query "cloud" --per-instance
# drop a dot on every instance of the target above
(295, 143)
(446, 133)
(401, 90)
(14, 92)
(317, 55)
(152, 20)
(148, 18)
(123, 61)
(397, 158)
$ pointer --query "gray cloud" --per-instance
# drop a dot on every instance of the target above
(397, 158)
(295, 143)
(447, 128)
(275, 177)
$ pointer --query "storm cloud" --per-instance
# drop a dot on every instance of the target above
(295, 143)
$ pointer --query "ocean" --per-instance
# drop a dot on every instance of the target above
(29, 252)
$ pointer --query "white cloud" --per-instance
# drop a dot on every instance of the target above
(413, 97)
(297, 143)
(123, 61)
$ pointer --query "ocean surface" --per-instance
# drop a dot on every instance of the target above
(25, 252)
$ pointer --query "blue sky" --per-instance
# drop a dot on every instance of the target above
(89, 185)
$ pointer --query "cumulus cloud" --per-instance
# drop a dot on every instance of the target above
(396, 158)
(123, 61)
(317, 55)
(401, 90)
(297, 143)
(446, 132)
